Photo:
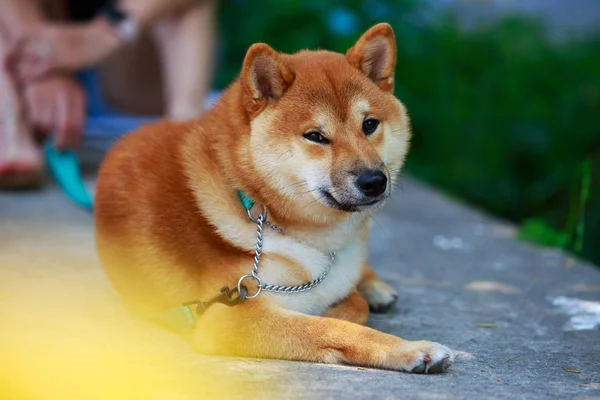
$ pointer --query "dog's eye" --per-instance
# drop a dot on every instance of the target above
(316, 137)
(370, 125)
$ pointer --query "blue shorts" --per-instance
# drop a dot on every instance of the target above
(105, 123)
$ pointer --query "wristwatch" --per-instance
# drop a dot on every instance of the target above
(125, 27)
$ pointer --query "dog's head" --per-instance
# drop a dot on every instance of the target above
(326, 129)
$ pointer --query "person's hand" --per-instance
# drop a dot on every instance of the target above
(56, 105)
(61, 47)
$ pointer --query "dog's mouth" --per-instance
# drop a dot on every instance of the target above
(332, 202)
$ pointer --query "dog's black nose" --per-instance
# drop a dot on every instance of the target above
(371, 182)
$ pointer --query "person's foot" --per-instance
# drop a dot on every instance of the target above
(21, 160)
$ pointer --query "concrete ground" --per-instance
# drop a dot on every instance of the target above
(523, 320)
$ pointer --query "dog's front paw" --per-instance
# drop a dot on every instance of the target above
(380, 296)
(426, 357)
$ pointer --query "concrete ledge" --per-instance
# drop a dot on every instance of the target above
(513, 311)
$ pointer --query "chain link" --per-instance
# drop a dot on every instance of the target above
(259, 243)
(260, 220)
(274, 227)
(303, 287)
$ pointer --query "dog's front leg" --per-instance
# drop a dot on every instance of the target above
(257, 328)
(380, 296)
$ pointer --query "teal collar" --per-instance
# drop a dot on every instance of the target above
(247, 202)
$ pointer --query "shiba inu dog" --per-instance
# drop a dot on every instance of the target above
(284, 171)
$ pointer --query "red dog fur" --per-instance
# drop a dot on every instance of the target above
(291, 133)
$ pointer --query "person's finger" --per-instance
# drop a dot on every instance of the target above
(77, 117)
(44, 103)
(61, 120)
(34, 109)
(69, 114)
(47, 116)
(13, 54)
(8, 62)
(30, 71)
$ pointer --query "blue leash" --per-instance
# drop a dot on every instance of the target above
(64, 165)
(104, 125)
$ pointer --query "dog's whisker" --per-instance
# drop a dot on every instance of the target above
(284, 153)
(316, 200)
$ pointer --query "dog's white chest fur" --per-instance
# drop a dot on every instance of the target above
(338, 284)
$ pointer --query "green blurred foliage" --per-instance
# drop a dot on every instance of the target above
(502, 116)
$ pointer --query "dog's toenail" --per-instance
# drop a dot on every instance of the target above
(419, 369)
(437, 367)
(427, 359)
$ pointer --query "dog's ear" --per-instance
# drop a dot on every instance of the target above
(265, 77)
(375, 55)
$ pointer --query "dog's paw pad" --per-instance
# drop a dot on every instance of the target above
(380, 296)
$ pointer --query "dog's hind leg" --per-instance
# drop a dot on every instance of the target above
(380, 296)
(257, 328)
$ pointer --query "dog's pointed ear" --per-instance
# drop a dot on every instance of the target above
(375, 55)
(265, 77)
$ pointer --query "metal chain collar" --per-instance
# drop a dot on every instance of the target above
(183, 317)
(260, 220)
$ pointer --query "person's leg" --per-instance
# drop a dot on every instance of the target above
(21, 160)
(169, 75)
(131, 80)
(186, 43)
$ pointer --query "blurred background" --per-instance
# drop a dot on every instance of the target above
(504, 96)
